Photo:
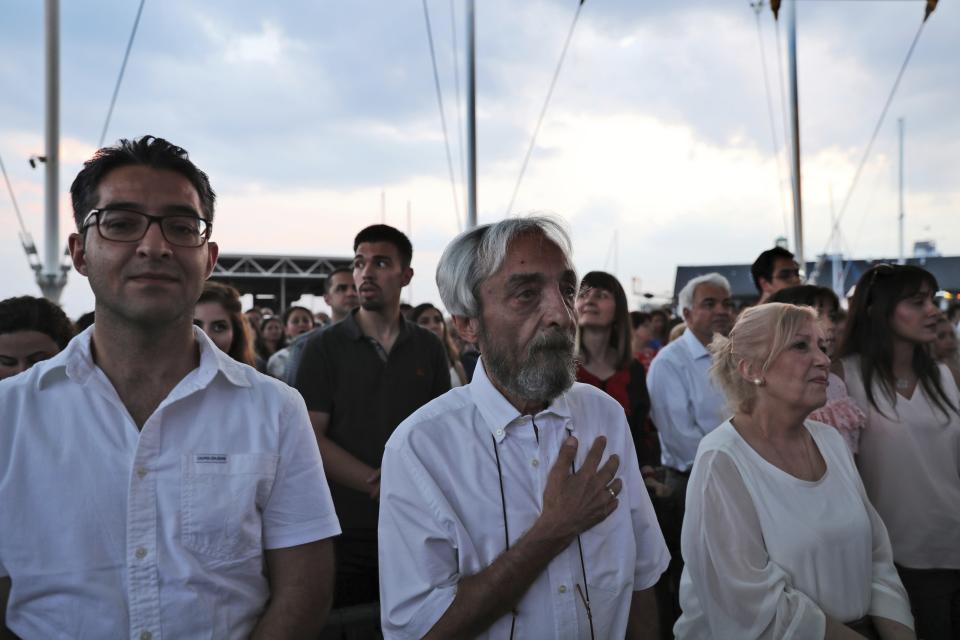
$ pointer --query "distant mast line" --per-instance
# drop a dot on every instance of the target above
(471, 119)
(543, 110)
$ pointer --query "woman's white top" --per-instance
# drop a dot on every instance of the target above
(909, 460)
(768, 554)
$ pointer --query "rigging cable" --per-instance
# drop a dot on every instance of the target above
(13, 199)
(123, 67)
(876, 130)
(543, 111)
(758, 6)
(443, 119)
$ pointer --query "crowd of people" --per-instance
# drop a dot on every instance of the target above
(540, 462)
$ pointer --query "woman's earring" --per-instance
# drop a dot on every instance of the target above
(758, 382)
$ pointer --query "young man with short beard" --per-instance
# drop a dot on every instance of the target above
(361, 378)
(513, 507)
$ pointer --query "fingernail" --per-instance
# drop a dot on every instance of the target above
(570, 441)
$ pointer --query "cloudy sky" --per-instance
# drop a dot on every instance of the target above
(656, 149)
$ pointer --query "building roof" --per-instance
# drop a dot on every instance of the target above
(946, 269)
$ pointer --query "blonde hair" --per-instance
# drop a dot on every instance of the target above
(760, 335)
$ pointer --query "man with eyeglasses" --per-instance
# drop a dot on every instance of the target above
(151, 485)
(773, 270)
(513, 507)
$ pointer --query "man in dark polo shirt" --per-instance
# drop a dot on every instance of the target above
(361, 378)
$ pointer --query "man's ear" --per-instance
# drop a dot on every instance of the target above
(686, 316)
(213, 252)
(78, 254)
(407, 276)
(766, 286)
(468, 328)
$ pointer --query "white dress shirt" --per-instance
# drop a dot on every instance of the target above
(768, 554)
(441, 515)
(109, 531)
(684, 403)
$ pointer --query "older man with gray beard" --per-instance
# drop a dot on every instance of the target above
(513, 507)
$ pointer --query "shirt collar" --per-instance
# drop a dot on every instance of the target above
(77, 361)
(498, 413)
(354, 331)
(694, 347)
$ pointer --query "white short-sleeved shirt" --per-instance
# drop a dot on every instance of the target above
(768, 554)
(111, 531)
(441, 515)
(684, 403)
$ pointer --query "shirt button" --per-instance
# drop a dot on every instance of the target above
(141, 471)
(145, 635)
(563, 588)
(141, 553)
(535, 462)
(499, 432)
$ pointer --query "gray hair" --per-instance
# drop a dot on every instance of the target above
(476, 254)
(685, 298)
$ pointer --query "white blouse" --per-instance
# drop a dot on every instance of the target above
(910, 464)
(768, 554)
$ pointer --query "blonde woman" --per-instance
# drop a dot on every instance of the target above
(779, 538)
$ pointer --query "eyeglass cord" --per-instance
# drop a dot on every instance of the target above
(585, 594)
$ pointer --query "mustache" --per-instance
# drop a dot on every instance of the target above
(551, 341)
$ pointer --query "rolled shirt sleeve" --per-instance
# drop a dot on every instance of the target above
(418, 556)
(299, 509)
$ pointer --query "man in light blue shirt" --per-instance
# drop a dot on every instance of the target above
(685, 406)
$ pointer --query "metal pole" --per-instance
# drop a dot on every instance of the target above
(795, 130)
(471, 121)
(902, 258)
(51, 279)
(383, 207)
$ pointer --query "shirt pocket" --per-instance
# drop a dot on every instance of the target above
(221, 501)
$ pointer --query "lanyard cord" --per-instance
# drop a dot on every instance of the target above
(506, 529)
(506, 533)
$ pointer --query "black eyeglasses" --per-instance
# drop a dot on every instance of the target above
(126, 225)
(787, 274)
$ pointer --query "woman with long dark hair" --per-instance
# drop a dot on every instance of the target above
(429, 317)
(218, 314)
(910, 449)
(605, 357)
(270, 339)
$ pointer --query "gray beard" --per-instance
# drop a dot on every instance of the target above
(544, 372)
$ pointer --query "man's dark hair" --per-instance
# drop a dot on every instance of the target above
(763, 266)
(808, 295)
(147, 151)
(329, 281)
(386, 233)
(26, 313)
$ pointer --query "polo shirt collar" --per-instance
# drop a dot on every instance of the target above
(498, 413)
(354, 331)
(77, 361)
(694, 347)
